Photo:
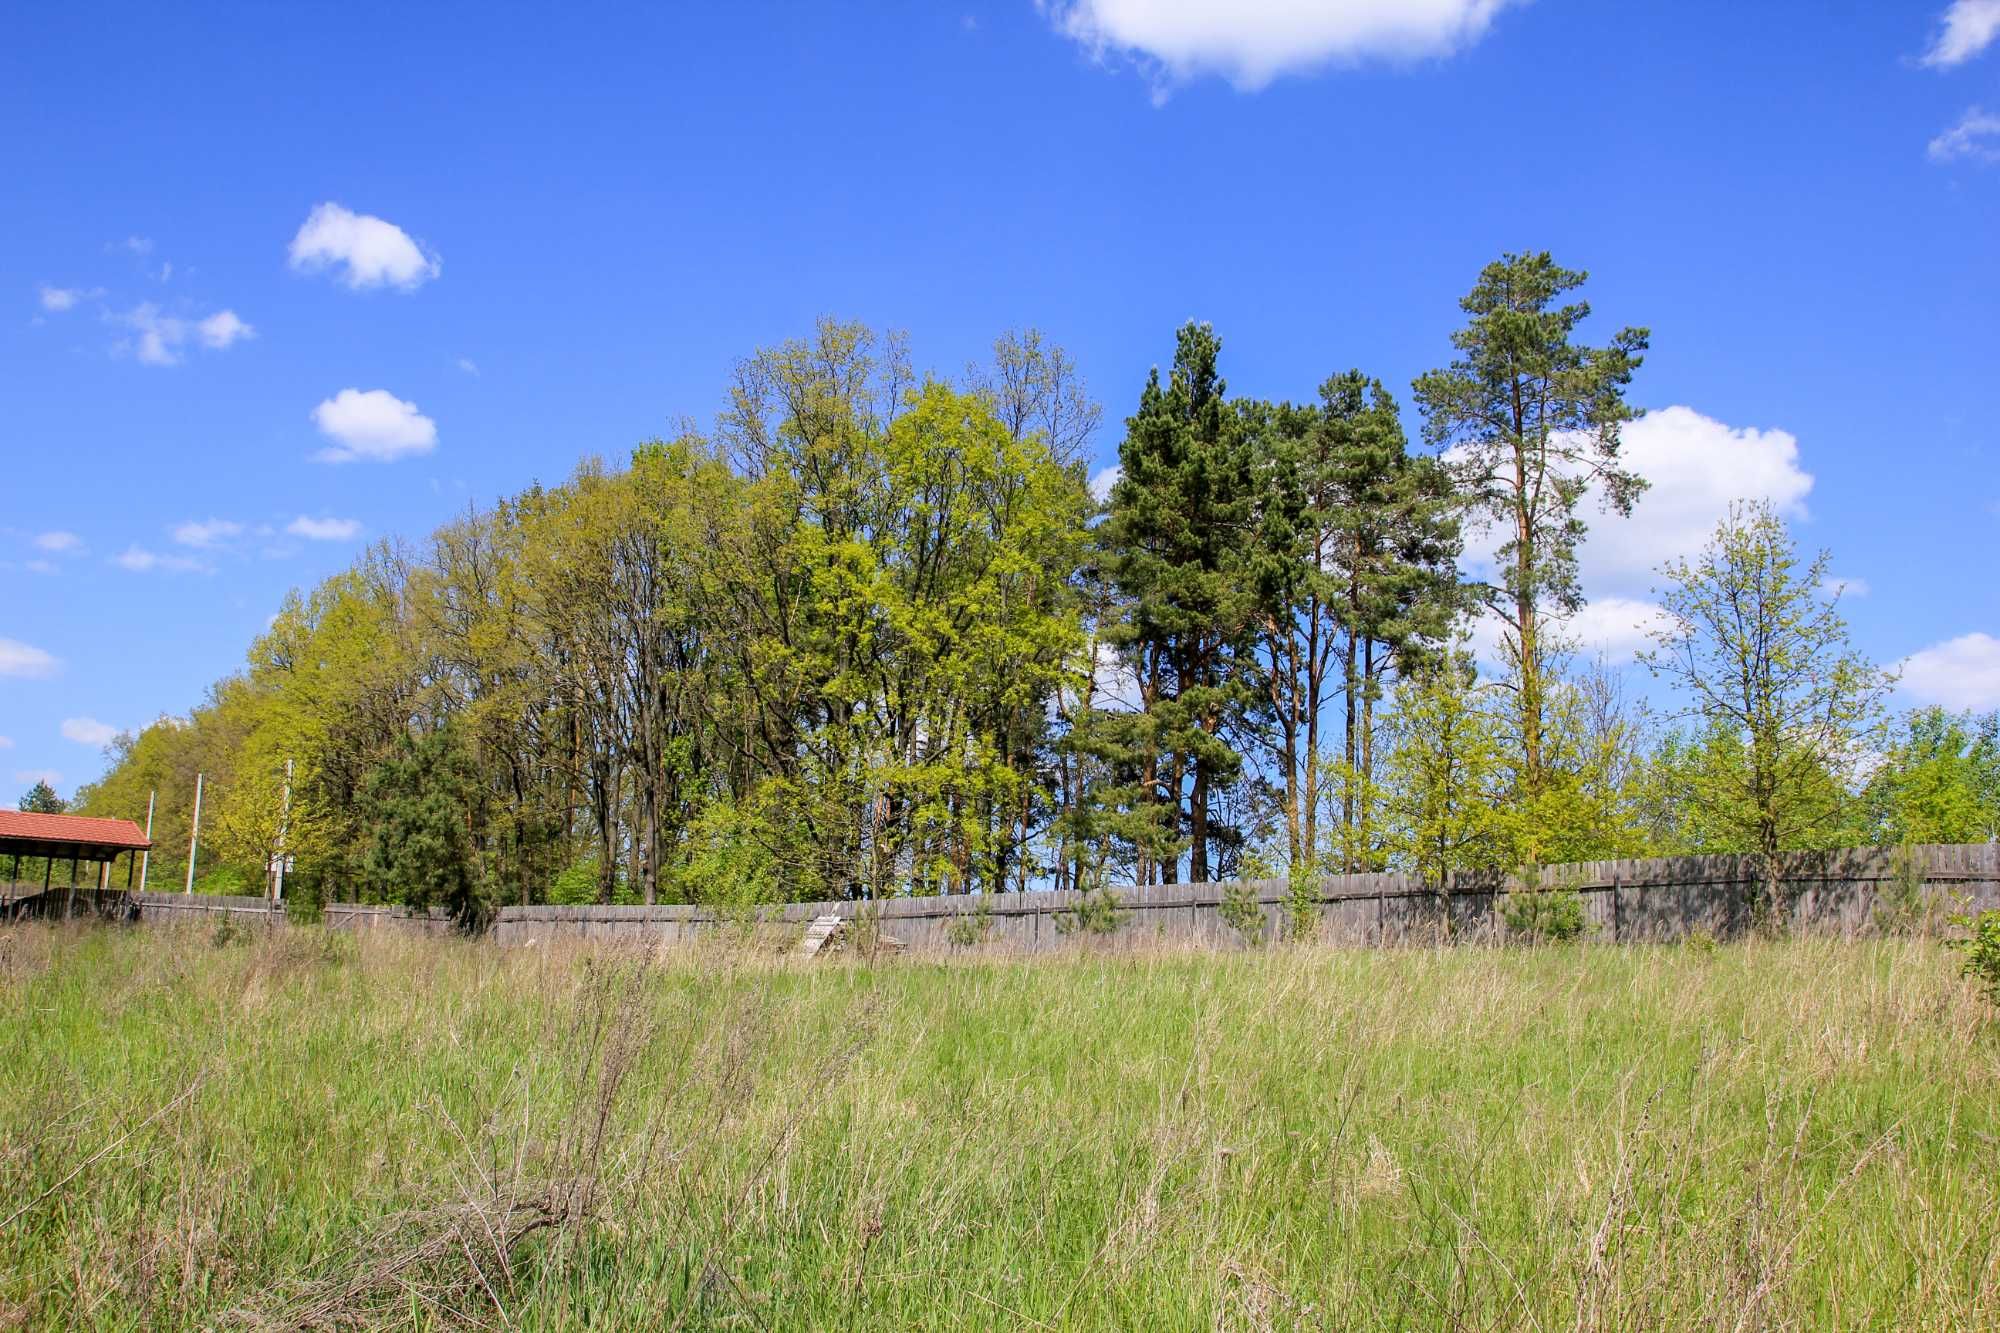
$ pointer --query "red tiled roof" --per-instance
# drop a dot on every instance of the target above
(71, 830)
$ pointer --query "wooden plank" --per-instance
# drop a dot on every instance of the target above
(822, 929)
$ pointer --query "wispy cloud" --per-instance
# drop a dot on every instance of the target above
(25, 661)
(88, 731)
(206, 534)
(369, 251)
(1964, 30)
(58, 299)
(468, 365)
(1975, 137)
(58, 541)
(158, 338)
(139, 560)
(324, 529)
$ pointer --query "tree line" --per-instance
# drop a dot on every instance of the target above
(874, 634)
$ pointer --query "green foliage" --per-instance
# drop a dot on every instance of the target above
(1981, 949)
(872, 636)
(1098, 911)
(226, 881)
(1939, 780)
(1354, 563)
(968, 929)
(1758, 643)
(1243, 912)
(1903, 907)
(1176, 546)
(1543, 913)
(1532, 420)
(1441, 798)
(575, 885)
(41, 799)
(417, 805)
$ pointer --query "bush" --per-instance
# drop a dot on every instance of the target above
(1544, 915)
(575, 885)
(1243, 913)
(224, 881)
(1981, 947)
(1901, 907)
(971, 928)
(1097, 912)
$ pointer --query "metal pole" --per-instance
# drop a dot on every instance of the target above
(146, 857)
(194, 834)
(284, 819)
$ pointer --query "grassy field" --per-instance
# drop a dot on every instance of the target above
(314, 1131)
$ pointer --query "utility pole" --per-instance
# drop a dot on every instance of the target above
(146, 857)
(194, 834)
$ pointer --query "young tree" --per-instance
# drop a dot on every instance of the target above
(1758, 644)
(1442, 769)
(1530, 420)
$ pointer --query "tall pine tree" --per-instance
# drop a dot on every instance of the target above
(1177, 548)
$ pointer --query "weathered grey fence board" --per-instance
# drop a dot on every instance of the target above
(1659, 899)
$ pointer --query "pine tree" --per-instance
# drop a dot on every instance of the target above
(1177, 548)
(418, 806)
(1530, 420)
(41, 799)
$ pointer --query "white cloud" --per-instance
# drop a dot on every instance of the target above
(159, 338)
(6, 742)
(324, 529)
(141, 561)
(58, 541)
(1102, 481)
(372, 425)
(206, 534)
(138, 245)
(1697, 467)
(1843, 586)
(1959, 673)
(1251, 42)
(1976, 136)
(88, 731)
(25, 660)
(469, 366)
(1966, 29)
(58, 299)
(223, 328)
(1612, 627)
(374, 253)
(34, 775)
(42, 567)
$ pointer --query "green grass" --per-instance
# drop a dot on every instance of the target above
(306, 1130)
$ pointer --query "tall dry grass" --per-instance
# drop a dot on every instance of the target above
(307, 1130)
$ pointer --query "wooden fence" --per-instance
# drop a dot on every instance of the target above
(1658, 899)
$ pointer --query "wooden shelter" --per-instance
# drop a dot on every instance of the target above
(77, 839)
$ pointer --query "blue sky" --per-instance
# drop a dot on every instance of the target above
(458, 248)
